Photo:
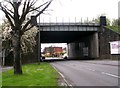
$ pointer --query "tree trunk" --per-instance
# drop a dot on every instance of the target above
(17, 54)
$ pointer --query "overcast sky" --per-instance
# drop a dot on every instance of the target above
(67, 10)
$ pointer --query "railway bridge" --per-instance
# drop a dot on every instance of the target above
(84, 40)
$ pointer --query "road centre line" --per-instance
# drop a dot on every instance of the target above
(90, 69)
(111, 75)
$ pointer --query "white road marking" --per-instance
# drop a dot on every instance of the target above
(110, 74)
(90, 69)
(63, 77)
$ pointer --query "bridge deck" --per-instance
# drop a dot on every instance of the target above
(69, 26)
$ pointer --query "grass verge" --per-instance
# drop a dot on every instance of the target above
(33, 75)
(0, 77)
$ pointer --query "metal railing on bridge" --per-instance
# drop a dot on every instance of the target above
(72, 26)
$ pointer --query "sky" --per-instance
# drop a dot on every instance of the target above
(74, 10)
(69, 10)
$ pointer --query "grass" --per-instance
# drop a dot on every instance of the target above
(0, 79)
(33, 75)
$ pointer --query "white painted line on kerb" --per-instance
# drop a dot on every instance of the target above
(63, 77)
(111, 75)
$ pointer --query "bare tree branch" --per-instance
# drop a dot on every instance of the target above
(9, 10)
(44, 8)
(19, 3)
(24, 5)
(16, 15)
(26, 25)
(11, 23)
(33, 2)
(28, 28)
(10, 3)
(8, 15)
(33, 9)
(25, 11)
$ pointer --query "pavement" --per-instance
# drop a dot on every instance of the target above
(5, 68)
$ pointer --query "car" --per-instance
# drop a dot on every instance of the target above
(43, 57)
(65, 56)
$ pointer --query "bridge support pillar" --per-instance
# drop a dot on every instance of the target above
(94, 47)
(73, 50)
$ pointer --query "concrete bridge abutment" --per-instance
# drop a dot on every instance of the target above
(94, 46)
(88, 48)
(73, 50)
(76, 50)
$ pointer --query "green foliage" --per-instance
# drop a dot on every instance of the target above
(114, 28)
(0, 78)
(116, 22)
(33, 75)
(97, 19)
(115, 25)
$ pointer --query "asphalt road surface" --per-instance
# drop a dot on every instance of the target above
(82, 73)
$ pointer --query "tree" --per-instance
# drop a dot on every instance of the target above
(27, 40)
(51, 50)
(116, 22)
(116, 25)
(16, 12)
(97, 19)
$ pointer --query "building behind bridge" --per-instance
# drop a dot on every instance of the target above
(53, 51)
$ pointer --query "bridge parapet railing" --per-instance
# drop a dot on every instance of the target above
(69, 24)
(69, 27)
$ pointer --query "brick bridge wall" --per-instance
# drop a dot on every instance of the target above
(105, 36)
